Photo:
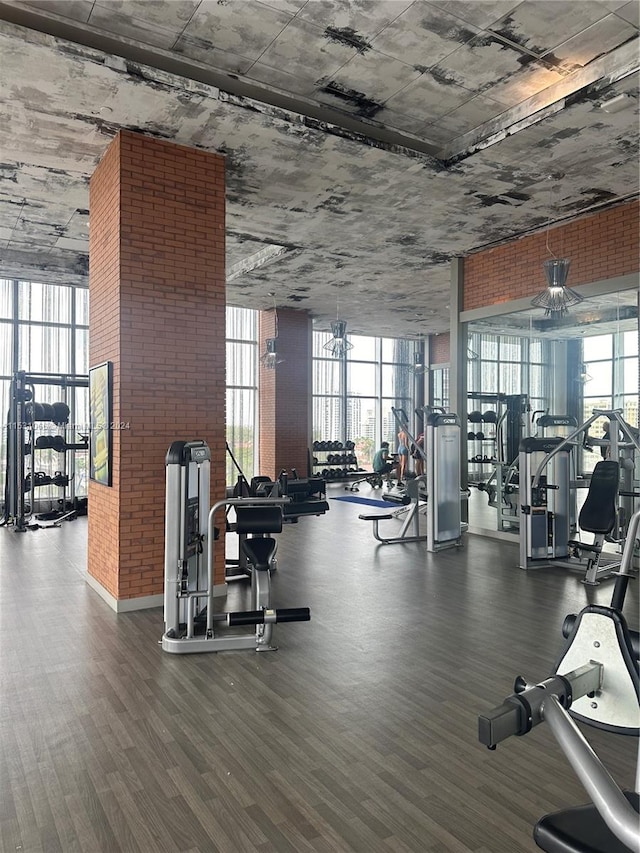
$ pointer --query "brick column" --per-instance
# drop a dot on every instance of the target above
(157, 312)
(285, 394)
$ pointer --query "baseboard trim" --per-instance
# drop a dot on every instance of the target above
(143, 602)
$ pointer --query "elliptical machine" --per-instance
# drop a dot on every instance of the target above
(190, 624)
(595, 681)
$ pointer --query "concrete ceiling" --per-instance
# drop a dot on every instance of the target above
(367, 142)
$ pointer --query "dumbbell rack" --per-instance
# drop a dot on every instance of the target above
(334, 460)
(23, 443)
(482, 441)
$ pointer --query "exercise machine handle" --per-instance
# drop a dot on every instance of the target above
(524, 709)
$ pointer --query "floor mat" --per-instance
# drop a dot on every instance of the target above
(366, 501)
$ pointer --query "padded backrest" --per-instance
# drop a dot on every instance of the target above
(258, 519)
(598, 513)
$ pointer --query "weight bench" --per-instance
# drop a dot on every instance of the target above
(373, 478)
(598, 516)
(410, 501)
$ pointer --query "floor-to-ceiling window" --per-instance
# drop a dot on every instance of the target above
(242, 392)
(44, 330)
(353, 396)
(610, 381)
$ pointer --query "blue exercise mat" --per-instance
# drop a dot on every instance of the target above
(367, 501)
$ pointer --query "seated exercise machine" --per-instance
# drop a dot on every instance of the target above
(440, 486)
(190, 623)
(547, 526)
(596, 682)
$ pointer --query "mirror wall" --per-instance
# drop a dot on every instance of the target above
(532, 364)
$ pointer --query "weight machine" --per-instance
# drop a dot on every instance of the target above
(596, 682)
(439, 488)
(26, 415)
(546, 526)
(189, 618)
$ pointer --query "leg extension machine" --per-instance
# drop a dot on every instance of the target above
(190, 621)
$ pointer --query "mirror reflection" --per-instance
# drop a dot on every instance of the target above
(529, 374)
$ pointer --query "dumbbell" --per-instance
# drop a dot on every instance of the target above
(479, 436)
(471, 436)
(60, 413)
(490, 417)
(315, 445)
(475, 417)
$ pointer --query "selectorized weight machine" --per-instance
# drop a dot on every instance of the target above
(547, 503)
(190, 623)
(438, 489)
(596, 682)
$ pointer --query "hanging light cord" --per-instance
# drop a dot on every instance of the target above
(549, 220)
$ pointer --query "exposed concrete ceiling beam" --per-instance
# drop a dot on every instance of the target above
(256, 260)
(594, 77)
(84, 34)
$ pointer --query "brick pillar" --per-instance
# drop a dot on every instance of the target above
(285, 394)
(157, 312)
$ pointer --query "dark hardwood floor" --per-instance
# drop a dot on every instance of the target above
(359, 734)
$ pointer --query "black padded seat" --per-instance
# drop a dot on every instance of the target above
(598, 513)
(579, 830)
(259, 551)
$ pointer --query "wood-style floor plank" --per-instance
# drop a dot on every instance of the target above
(359, 734)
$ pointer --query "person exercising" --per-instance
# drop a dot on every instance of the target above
(381, 464)
(403, 454)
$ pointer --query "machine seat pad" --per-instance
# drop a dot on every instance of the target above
(376, 517)
(598, 513)
(582, 546)
(259, 551)
(579, 830)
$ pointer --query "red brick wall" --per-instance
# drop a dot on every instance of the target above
(157, 297)
(284, 394)
(440, 349)
(601, 246)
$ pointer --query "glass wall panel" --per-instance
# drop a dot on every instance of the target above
(600, 380)
(319, 340)
(630, 368)
(6, 348)
(327, 419)
(362, 427)
(82, 352)
(597, 347)
(630, 343)
(510, 380)
(489, 346)
(361, 377)
(241, 363)
(326, 376)
(48, 303)
(6, 298)
(398, 350)
(353, 396)
(242, 324)
(44, 349)
(240, 432)
(440, 387)
(510, 349)
(364, 348)
(242, 391)
(82, 306)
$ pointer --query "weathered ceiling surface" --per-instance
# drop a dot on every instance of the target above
(367, 143)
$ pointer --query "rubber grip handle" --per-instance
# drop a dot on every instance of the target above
(293, 614)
